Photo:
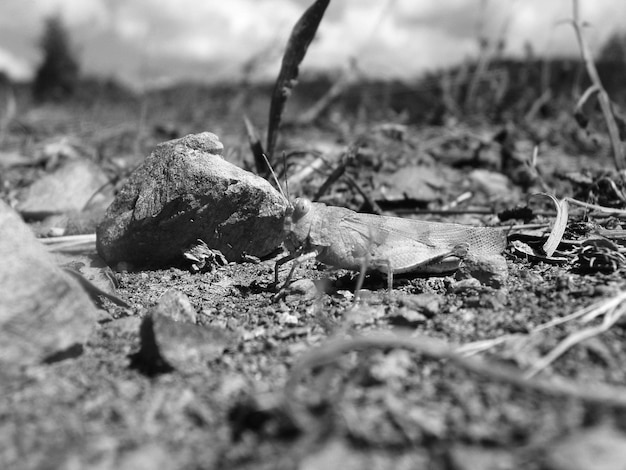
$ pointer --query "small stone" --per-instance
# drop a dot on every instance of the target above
(466, 285)
(392, 366)
(67, 189)
(491, 271)
(428, 304)
(170, 340)
(175, 305)
(600, 448)
(146, 457)
(364, 313)
(465, 457)
(494, 184)
(303, 289)
(336, 453)
(185, 191)
(286, 318)
(371, 297)
(406, 317)
(168, 345)
(489, 301)
(125, 326)
(346, 294)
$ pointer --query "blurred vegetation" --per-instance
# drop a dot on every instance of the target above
(508, 91)
(526, 91)
(58, 74)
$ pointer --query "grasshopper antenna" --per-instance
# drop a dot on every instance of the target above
(285, 173)
(267, 162)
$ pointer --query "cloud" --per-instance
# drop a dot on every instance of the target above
(26, 16)
(145, 41)
(205, 30)
(201, 39)
(541, 24)
(15, 67)
(381, 46)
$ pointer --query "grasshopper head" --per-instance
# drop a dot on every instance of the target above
(297, 231)
(301, 207)
(296, 211)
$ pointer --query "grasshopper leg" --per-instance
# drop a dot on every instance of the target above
(384, 265)
(280, 262)
(298, 259)
(359, 282)
(389, 276)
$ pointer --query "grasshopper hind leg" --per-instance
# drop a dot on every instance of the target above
(360, 279)
(383, 265)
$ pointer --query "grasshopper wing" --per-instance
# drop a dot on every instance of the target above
(408, 243)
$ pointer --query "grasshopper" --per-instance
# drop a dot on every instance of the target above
(345, 239)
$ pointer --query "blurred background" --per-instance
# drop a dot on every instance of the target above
(145, 43)
(121, 76)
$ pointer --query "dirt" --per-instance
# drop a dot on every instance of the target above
(375, 407)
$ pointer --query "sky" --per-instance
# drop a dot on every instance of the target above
(156, 42)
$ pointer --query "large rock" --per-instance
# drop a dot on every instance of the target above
(44, 314)
(185, 191)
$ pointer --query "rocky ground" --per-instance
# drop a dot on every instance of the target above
(201, 363)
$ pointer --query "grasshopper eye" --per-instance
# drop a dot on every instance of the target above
(301, 207)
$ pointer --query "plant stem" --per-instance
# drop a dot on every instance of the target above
(603, 96)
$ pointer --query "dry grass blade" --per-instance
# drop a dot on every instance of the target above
(477, 347)
(346, 160)
(594, 309)
(585, 314)
(305, 170)
(301, 36)
(85, 242)
(94, 291)
(603, 96)
(490, 49)
(611, 316)
(585, 105)
(369, 201)
(603, 209)
(560, 223)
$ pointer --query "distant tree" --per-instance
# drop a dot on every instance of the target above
(58, 74)
(614, 49)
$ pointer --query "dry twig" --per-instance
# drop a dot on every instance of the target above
(613, 310)
(301, 36)
(86, 242)
(599, 91)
